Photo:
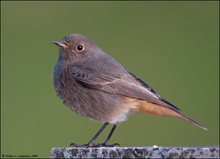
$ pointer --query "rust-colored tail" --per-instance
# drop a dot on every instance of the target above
(147, 107)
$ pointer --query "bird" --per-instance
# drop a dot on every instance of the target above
(96, 86)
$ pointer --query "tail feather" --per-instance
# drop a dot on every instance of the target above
(151, 108)
(188, 119)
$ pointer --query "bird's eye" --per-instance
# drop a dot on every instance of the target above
(80, 48)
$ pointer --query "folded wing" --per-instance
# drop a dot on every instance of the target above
(125, 84)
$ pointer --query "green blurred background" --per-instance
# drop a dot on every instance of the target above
(172, 46)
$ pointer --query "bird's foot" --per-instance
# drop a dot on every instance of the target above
(106, 145)
(94, 145)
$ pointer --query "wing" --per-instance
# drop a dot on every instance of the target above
(125, 84)
(153, 91)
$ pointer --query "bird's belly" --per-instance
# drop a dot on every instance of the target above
(91, 103)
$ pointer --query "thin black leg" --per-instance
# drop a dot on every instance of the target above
(98, 133)
(110, 134)
(91, 142)
(105, 144)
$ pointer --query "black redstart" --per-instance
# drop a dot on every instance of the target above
(96, 86)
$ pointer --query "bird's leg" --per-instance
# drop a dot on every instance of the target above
(91, 142)
(105, 144)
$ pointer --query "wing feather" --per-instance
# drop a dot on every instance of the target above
(126, 84)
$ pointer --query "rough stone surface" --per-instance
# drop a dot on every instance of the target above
(135, 152)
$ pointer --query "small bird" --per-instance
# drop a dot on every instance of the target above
(94, 85)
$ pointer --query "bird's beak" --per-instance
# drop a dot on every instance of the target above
(60, 44)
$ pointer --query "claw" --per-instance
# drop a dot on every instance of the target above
(94, 145)
(84, 145)
(106, 145)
